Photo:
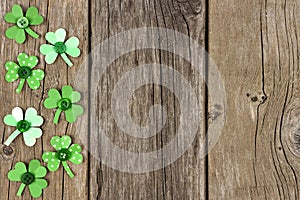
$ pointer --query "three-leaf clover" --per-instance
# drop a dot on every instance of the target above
(64, 103)
(24, 71)
(64, 153)
(59, 46)
(22, 23)
(28, 125)
(33, 177)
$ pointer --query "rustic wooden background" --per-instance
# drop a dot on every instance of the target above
(255, 46)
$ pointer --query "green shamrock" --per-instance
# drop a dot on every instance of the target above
(22, 23)
(24, 71)
(28, 125)
(64, 103)
(59, 46)
(33, 177)
(64, 153)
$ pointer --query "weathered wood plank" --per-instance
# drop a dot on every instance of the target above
(255, 45)
(184, 179)
(73, 16)
(75, 20)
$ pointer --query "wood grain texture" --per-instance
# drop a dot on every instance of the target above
(255, 45)
(56, 15)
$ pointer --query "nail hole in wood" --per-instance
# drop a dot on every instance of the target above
(7, 150)
(254, 99)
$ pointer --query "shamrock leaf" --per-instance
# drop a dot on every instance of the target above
(64, 153)
(60, 47)
(65, 102)
(36, 188)
(27, 61)
(16, 174)
(28, 125)
(32, 116)
(11, 69)
(76, 157)
(73, 113)
(50, 158)
(33, 16)
(22, 23)
(24, 71)
(60, 143)
(34, 80)
(33, 177)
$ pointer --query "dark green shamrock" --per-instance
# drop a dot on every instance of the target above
(22, 23)
(33, 177)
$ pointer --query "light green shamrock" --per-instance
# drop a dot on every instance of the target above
(22, 23)
(33, 177)
(64, 153)
(28, 126)
(24, 71)
(59, 46)
(64, 103)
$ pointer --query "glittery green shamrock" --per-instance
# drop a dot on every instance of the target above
(33, 177)
(24, 71)
(22, 23)
(64, 153)
(59, 46)
(28, 125)
(64, 103)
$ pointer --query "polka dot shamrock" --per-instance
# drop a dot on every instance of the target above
(22, 23)
(58, 46)
(24, 71)
(33, 177)
(64, 152)
(64, 103)
(28, 125)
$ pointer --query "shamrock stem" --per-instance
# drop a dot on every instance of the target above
(20, 86)
(56, 117)
(67, 60)
(32, 33)
(12, 137)
(21, 189)
(68, 170)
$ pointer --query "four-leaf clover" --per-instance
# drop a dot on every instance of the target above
(24, 71)
(22, 23)
(64, 103)
(59, 46)
(64, 153)
(33, 177)
(28, 125)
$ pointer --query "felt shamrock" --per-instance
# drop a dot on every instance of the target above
(33, 177)
(28, 125)
(64, 103)
(64, 153)
(59, 46)
(24, 71)
(22, 23)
